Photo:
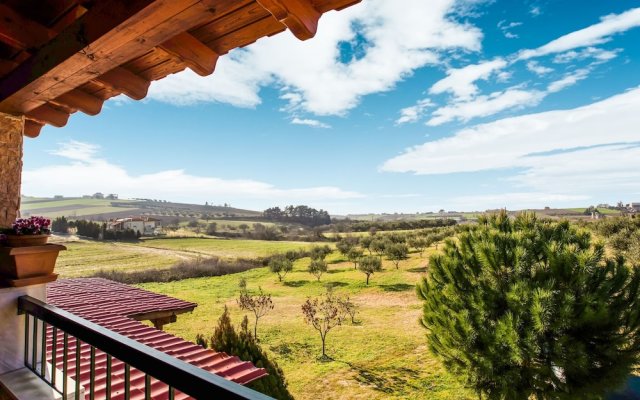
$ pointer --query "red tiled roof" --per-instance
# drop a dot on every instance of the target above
(85, 295)
(109, 304)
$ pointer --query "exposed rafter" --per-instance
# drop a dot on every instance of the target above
(125, 81)
(200, 58)
(50, 115)
(80, 100)
(298, 15)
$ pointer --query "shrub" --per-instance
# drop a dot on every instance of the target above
(527, 308)
(187, 269)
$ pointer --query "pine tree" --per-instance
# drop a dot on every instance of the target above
(532, 309)
(242, 344)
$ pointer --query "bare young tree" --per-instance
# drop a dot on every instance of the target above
(348, 307)
(259, 304)
(324, 314)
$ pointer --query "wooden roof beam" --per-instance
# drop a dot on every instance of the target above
(122, 80)
(113, 32)
(32, 128)
(22, 33)
(198, 56)
(49, 115)
(56, 58)
(80, 100)
(300, 16)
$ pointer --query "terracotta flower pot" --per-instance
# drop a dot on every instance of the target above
(28, 261)
(26, 240)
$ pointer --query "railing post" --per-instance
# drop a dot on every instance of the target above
(12, 327)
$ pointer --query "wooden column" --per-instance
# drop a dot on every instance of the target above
(11, 130)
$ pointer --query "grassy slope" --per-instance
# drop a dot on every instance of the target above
(384, 356)
(84, 257)
(224, 247)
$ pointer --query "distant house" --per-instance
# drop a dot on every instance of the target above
(98, 195)
(633, 206)
(112, 196)
(145, 225)
(58, 197)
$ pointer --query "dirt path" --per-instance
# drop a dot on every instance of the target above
(180, 254)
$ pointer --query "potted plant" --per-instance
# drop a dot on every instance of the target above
(33, 231)
(26, 258)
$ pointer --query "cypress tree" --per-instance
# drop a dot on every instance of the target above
(527, 308)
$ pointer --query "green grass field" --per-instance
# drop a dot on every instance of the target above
(84, 257)
(384, 356)
(225, 248)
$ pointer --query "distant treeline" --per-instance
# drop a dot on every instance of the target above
(364, 226)
(298, 214)
(92, 230)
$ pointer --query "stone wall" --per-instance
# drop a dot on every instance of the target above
(11, 128)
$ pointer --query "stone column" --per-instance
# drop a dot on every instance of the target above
(11, 129)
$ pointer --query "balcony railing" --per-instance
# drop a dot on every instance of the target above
(67, 332)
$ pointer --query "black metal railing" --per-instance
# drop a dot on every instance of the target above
(67, 332)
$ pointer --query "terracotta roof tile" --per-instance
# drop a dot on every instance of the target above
(110, 304)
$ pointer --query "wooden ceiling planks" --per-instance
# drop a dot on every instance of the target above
(85, 52)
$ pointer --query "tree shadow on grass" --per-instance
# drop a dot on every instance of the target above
(386, 380)
(336, 284)
(417, 269)
(397, 287)
(295, 283)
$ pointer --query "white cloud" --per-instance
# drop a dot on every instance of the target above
(77, 151)
(512, 98)
(461, 81)
(563, 151)
(485, 105)
(86, 172)
(593, 35)
(599, 55)
(395, 44)
(506, 27)
(535, 11)
(568, 80)
(309, 122)
(414, 113)
(538, 69)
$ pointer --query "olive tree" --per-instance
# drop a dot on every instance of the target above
(368, 265)
(396, 252)
(317, 267)
(281, 266)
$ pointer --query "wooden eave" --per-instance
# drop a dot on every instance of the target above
(62, 56)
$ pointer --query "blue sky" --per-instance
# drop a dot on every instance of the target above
(460, 105)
